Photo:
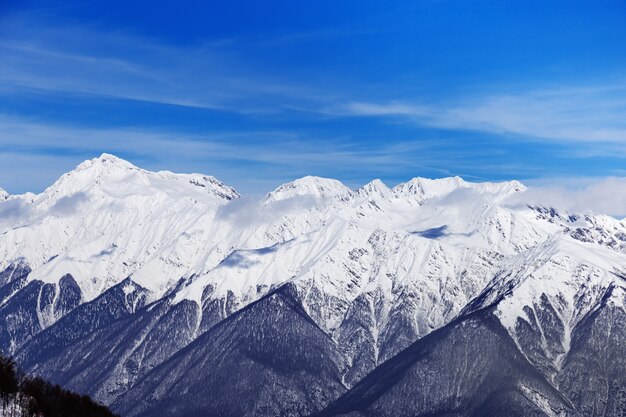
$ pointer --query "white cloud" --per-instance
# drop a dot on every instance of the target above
(582, 114)
(80, 60)
(599, 195)
(69, 204)
(388, 109)
(220, 75)
(246, 211)
(17, 211)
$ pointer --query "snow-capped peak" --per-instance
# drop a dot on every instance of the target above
(310, 186)
(106, 159)
(102, 172)
(375, 188)
(3, 194)
(423, 189)
(108, 219)
(113, 176)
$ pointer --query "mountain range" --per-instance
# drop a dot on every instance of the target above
(162, 294)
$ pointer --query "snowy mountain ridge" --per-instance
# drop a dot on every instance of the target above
(376, 269)
(108, 219)
(109, 185)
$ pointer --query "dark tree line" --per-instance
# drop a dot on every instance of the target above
(36, 397)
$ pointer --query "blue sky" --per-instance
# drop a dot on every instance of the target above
(258, 93)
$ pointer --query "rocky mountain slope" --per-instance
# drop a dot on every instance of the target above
(152, 291)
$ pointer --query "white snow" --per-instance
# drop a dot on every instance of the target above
(108, 219)
(441, 242)
(315, 187)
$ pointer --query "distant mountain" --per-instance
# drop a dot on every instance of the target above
(470, 367)
(157, 292)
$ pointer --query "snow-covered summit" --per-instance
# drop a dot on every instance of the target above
(418, 188)
(114, 177)
(3, 194)
(375, 189)
(424, 189)
(108, 219)
(106, 159)
(311, 186)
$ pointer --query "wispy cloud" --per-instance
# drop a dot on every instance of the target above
(581, 114)
(220, 75)
(599, 195)
(80, 60)
(15, 212)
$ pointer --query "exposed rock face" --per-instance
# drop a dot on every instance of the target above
(270, 359)
(593, 373)
(470, 367)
